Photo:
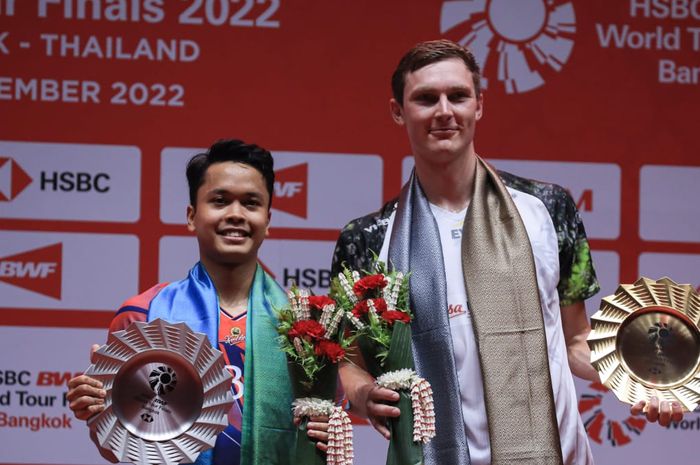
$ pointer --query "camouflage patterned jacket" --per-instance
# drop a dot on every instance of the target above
(362, 237)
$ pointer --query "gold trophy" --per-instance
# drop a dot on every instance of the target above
(645, 341)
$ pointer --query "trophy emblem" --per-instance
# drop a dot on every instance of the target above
(168, 394)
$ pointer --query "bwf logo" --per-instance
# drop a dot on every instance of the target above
(517, 41)
(37, 270)
(291, 193)
(13, 179)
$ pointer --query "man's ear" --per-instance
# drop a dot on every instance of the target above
(190, 218)
(396, 112)
(480, 106)
(267, 227)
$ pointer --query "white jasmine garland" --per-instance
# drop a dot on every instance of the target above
(295, 305)
(298, 347)
(423, 411)
(304, 298)
(397, 379)
(354, 320)
(312, 407)
(326, 316)
(347, 287)
(340, 451)
(395, 288)
(421, 400)
(333, 325)
(370, 305)
(386, 291)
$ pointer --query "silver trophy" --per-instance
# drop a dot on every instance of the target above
(168, 394)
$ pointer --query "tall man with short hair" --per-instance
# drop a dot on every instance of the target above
(500, 269)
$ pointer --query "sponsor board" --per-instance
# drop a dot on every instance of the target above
(607, 269)
(667, 203)
(311, 190)
(176, 255)
(307, 263)
(67, 270)
(77, 182)
(608, 422)
(682, 268)
(370, 447)
(38, 270)
(616, 436)
(35, 421)
(595, 188)
(517, 42)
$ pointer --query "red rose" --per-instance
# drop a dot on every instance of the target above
(329, 349)
(319, 301)
(390, 316)
(361, 308)
(380, 305)
(373, 281)
(307, 329)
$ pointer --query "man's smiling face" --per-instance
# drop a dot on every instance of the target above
(439, 110)
(232, 214)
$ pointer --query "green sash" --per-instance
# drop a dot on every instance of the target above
(268, 432)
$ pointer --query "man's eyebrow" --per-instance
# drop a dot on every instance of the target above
(430, 88)
(217, 191)
(223, 191)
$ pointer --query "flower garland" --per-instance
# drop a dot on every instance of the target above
(309, 331)
(311, 335)
(340, 451)
(421, 400)
(373, 304)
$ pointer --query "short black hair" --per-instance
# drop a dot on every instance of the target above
(426, 53)
(230, 150)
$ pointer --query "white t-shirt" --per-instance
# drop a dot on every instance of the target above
(543, 239)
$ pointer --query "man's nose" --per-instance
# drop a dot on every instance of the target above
(444, 107)
(234, 211)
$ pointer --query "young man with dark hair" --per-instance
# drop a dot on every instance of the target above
(500, 269)
(231, 299)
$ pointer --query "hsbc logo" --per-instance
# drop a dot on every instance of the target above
(37, 270)
(290, 192)
(307, 277)
(74, 182)
(13, 179)
(68, 181)
(516, 41)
